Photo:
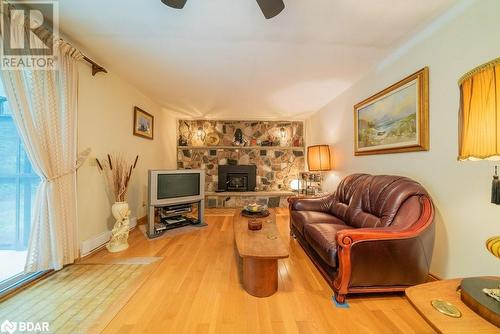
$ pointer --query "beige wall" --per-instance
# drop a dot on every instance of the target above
(462, 39)
(105, 122)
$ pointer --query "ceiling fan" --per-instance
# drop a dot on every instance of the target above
(270, 8)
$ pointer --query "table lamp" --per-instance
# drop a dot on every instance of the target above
(318, 158)
(479, 139)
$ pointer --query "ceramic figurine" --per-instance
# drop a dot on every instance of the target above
(493, 293)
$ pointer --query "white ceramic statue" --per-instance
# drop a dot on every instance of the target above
(119, 234)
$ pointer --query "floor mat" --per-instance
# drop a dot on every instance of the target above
(80, 298)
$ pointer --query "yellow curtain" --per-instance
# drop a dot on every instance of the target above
(479, 122)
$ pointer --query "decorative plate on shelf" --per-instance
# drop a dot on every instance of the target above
(212, 139)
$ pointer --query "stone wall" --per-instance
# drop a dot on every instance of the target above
(231, 201)
(254, 133)
(276, 148)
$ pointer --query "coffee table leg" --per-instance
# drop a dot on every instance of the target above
(260, 276)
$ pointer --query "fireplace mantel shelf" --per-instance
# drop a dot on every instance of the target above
(216, 147)
(251, 193)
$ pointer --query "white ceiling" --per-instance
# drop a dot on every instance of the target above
(223, 59)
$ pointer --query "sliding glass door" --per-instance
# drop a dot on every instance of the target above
(18, 184)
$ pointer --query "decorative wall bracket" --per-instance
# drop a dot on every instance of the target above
(96, 68)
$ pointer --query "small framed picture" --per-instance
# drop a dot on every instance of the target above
(143, 123)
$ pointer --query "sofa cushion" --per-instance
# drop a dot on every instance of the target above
(321, 237)
(377, 201)
(302, 218)
(344, 193)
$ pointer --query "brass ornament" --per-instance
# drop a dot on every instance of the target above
(493, 245)
(446, 308)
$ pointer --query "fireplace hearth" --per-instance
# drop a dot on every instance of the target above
(237, 177)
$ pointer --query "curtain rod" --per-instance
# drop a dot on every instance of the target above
(96, 68)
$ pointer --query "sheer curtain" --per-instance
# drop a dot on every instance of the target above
(44, 108)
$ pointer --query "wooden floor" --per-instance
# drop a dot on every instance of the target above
(196, 289)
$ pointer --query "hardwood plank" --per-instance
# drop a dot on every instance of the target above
(196, 288)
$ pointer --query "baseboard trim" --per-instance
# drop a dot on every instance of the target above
(94, 244)
(142, 220)
(90, 245)
(433, 277)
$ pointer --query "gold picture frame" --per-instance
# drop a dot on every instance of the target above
(143, 124)
(396, 119)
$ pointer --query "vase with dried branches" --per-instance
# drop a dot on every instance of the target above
(118, 172)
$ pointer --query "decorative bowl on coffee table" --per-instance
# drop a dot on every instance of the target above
(255, 211)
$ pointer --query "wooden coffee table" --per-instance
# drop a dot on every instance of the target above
(260, 251)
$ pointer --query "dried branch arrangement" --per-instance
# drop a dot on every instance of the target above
(117, 172)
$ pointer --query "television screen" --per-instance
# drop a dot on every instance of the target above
(178, 185)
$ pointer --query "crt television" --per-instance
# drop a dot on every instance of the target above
(175, 186)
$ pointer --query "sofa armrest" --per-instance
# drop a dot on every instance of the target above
(352, 236)
(321, 204)
(348, 241)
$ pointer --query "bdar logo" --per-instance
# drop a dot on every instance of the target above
(8, 327)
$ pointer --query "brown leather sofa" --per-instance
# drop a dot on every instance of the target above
(374, 234)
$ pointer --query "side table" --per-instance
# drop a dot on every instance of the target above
(420, 296)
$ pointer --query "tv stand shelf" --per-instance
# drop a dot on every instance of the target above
(187, 221)
(152, 218)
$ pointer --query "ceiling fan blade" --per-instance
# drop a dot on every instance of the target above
(271, 8)
(178, 4)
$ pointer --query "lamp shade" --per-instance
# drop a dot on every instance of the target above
(479, 121)
(318, 158)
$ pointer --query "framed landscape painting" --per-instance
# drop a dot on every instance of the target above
(395, 119)
(143, 123)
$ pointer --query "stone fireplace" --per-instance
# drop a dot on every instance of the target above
(275, 149)
(237, 178)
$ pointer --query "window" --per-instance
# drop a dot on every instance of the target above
(18, 185)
